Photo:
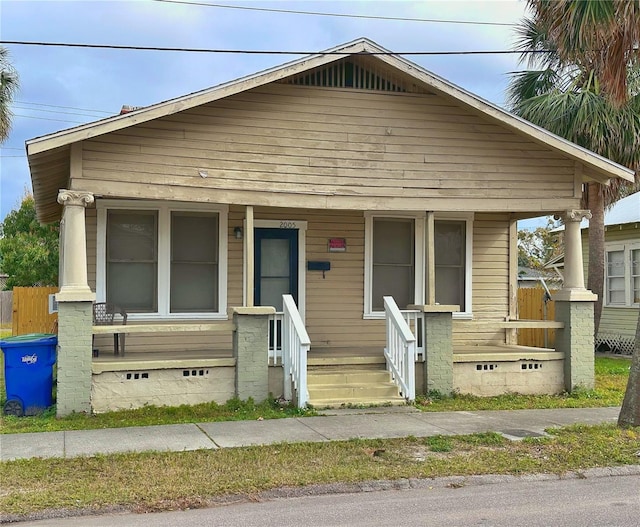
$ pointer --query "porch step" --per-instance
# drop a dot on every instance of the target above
(338, 385)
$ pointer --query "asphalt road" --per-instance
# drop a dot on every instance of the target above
(591, 502)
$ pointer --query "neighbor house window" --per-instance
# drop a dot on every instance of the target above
(622, 275)
(164, 260)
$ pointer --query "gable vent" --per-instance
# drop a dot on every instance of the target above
(352, 74)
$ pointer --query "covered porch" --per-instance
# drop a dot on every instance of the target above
(272, 352)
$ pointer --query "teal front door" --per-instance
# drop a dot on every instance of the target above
(276, 266)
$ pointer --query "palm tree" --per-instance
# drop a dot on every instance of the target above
(8, 88)
(586, 89)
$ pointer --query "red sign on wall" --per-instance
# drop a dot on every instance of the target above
(337, 245)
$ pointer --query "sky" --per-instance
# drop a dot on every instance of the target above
(62, 87)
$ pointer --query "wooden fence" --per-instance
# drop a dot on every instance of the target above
(532, 306)
(31, 310)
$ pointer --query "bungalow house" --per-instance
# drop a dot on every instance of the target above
(313, 230)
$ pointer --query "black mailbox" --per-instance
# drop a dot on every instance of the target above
(318, 266)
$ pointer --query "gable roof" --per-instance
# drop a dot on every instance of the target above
(53, 150)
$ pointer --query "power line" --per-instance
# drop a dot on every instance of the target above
(64, 107)
(56, 111)
(342, 15)
(48, 119)
(263, 52)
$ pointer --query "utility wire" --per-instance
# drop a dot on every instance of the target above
(64, 107)
(55, 111)
(342, 15)
(263, 52)
(48, 119)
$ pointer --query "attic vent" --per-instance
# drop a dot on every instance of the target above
(351, 74)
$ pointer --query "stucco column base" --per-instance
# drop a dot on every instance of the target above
(75, 321)
(438, 342)
(576, 341)
(251, 351)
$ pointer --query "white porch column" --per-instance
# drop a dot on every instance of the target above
(75, 301)
(249, 255)
(574, 307)
(573, 267)
(74, 285)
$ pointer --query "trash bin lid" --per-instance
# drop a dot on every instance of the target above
(30, 337)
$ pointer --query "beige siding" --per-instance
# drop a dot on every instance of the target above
(332, 148)
(490, 281)
(334, 304)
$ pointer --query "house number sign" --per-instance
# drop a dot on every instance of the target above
(288, 224)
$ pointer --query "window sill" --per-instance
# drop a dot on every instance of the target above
(157, 317)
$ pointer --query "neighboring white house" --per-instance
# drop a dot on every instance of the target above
(622, 275)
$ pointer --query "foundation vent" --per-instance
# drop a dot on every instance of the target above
(195, 373)
(135, 376)
(531, 366)
(486, 367)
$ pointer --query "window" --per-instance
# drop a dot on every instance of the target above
(622, 275)
(450, 254)
(194, 262)
(395, 261)
(132, 259)
(162, 261)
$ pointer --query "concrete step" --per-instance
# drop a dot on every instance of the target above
(335, 386)
(356, 402)
(353, 391)
(346, 377)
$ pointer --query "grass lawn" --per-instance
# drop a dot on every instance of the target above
(167, 481)
(611, 382)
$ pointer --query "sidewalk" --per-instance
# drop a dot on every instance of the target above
(333, 425)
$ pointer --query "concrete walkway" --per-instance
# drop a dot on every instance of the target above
(333, 425)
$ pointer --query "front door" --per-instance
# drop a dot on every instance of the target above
(276, 266)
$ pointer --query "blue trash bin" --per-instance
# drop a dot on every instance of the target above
(28, 372)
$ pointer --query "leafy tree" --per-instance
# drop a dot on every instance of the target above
(8, 88)
(28, 250)
(587, 90)
(537, 247)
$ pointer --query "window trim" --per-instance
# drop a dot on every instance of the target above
(466, 311)
(164, 254)
(421, 270)
(419, 248)
(626, 247)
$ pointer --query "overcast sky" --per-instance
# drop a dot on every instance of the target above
(62, 87)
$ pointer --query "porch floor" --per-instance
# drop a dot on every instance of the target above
(136, 360)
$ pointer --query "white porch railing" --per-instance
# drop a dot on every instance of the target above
(295, 346)
(275, 338)
(400, 351)
(415, 320)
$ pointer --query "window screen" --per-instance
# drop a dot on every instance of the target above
(393, 261)
(132, 259)
(194, 262)
(615, 277)
(450, 257)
